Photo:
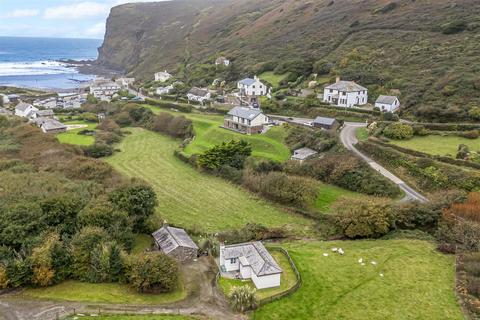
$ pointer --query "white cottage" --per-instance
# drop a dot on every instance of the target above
(25, 110)
(253, 87)
(222, 60)
(164, 90)
(245, 120)
(252, 261)
(104, 88)
(346, 94)
(199, 95)
(162, 76)
(387, 103)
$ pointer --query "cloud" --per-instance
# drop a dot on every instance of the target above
(21, 13)
(96, 31)
(77, 11)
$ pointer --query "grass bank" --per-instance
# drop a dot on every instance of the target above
(438, 145)
(73, 136)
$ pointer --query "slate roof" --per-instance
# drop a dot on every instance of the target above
(198, 92)
(303, 153)
(247, 81)
(170, 238)
(255, 255)
(22, 106)
(386, 99)
(324, 121)
(44, 113)
(245, 113)
(51, 124)
(348, 86)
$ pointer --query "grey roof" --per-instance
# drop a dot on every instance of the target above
(255, 255)
(325, 121)
(198, 92)
(44, 113)
(170, 238)
(386, 99)
(22, 106)
(303, 153)
(245, 112)
(247, 81)
(348, 86)
(51, 124)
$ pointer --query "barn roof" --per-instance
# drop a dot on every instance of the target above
(44, 113)
(324, 121)
(198, 92)
(303, 153)
(22, 106)
(170, 238)
(386, 99)
(255, 255)
(50, 124)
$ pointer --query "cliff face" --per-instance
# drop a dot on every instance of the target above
(400, 44)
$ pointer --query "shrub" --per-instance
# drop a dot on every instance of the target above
(454, 27)
(153, 272)
(233, 154)
(359, 218)
(399, 131)
(242, 298)
(472, 134)
(251, 232)
(463, 152)
(98, 150)
(318, 140)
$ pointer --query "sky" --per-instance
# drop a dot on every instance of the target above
(56, 18)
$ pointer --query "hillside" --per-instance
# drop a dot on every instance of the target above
(425, 49)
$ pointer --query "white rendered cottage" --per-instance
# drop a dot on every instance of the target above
(387, 103)
(245, 120)
(164, 90)
(199, 95)
(222, 60)
(252, 261)
(104, 88)
(25, 110)
(253, 87)
(162, 76)
(346, 94)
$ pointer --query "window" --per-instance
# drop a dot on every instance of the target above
(253, 86)
(331, 90)
(233, 260)
(344, 93)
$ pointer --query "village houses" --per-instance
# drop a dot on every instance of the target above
(245, 120)
(125, 82)
(164, 90)
(346, 94)
(252, 87)
(25, 110)
(222, 61)
(176, 243)
(104, 89)
(387, 103)
(250, 261)
(162, 76)
(199, 95)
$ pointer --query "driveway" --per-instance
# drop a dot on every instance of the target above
(349, 139)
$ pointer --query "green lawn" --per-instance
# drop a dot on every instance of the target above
(361, 134)
(329, 194)
(102, 293)
(272, 78)
(438, 145)
(208, 133)
(418, 282)
(287, 281)
(134, 317)
(72, 136)
(191, 199)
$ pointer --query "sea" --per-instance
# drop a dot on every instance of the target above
(37, 62)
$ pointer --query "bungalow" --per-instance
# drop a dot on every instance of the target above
(252, 261)
(51, 125)
(164, 90)
(162, 76)
(325, 123)
(346, 94)
(303, 154)
(222, 60)
(176, 243)
(24, 110)
(387, 103)
(245, 120)
(199, 95)
(253, 87)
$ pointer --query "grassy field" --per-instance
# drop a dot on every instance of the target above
(361, 134)
(288, 279)
(272, 78)
(418, 282)
(329, 194)
(72, 136)
(438, 145)
(134, 317)
(208, 133)
(102, 293)
(191, 199)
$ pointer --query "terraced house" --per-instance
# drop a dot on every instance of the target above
(245, 120)
(347, 94)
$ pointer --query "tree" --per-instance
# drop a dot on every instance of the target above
(399, 131)
(153, 272)
(42, 262)
(242, 298)
(233, 154)
(463, 152)
(360, 218)
(138, 200)
(474, 113)
(83, 244)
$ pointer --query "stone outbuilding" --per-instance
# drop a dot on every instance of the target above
(176, 243)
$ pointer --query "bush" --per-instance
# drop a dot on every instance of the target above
(177, 127)
(233, 154)
(360, 218)
(399, 131)
(454, 27)
(153, 272)
(251, 232)
(242, 298)
(98, 150)
(318, 140)
(472, 134)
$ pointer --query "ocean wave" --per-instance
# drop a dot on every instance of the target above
(36, 68)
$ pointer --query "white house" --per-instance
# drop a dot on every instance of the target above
(162, 76)
(4, 98)
(251, 261)
(387, 103)
(25, 110)
(104, 89)
(125, 82)
(199, 95)
(346, 94)
(222, 60)
(164, 90)
(252, 87)
(245, 120)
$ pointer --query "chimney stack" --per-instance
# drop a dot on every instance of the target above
(338, 79)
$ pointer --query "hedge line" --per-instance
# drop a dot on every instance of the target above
(442, 126)
(356, 110)
(168, 105)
